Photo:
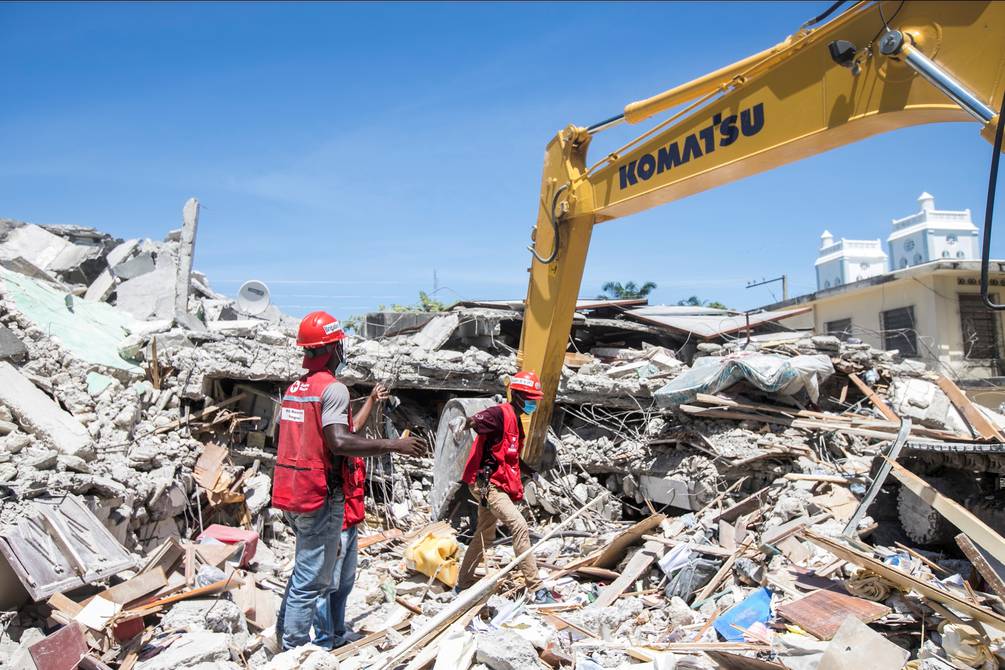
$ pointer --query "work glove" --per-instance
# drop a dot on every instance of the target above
(456, 425)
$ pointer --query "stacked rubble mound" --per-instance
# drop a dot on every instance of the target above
(730, 509)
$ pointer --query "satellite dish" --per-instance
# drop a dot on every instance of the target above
(253, 297)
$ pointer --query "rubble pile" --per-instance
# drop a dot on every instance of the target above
(772, 501)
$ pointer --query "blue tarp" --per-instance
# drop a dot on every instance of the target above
(755, 607)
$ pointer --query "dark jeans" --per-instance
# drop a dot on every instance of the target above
(318, 535)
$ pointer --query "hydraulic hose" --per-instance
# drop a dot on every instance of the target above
(554, 225)
(989, 209)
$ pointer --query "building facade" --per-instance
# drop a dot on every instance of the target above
(931, 312)
(932, 234)
(847, 261)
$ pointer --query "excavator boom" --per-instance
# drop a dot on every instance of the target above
(874, 68)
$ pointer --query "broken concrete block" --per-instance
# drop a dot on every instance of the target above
(43, 249)
(102, 286)
(242, 328)
(212, 615)
(505, 650)
(855, 646)
(190, 649)
(11, 347)
(138, 265)
(149, 296)
(42, 415)
(437, 331)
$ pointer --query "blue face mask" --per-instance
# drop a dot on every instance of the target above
(529, 406)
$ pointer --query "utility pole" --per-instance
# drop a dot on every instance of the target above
(785, 284)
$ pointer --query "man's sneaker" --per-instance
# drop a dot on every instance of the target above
(543, 597)
(352, 636)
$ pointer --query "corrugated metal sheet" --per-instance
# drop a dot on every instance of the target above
(581, 305)
(704, 322)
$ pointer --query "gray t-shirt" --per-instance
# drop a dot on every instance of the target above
(335, 405)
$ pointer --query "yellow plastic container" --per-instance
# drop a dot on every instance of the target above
(435, 555)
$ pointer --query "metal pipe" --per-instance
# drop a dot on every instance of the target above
(606, 123)
(894, 44)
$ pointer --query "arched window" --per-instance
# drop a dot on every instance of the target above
(827, 284)
(917, 258)
(837, 281)
(903, 262)
(960, 254)
(945, 254)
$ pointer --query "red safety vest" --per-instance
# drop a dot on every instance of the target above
(505, 457)
(303, 464)
(353, 479)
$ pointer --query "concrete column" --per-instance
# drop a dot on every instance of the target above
(186, 250)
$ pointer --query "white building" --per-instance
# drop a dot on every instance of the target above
(931, 235)
(847, 261)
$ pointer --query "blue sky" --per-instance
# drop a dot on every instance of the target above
(343, 153)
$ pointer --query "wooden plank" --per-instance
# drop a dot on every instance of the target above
(728, 661)
(216, 587)
(61, 603)
(980, 562)
(748, 504)
(135, 588)
(979, 424)
(874, 398)
(905, 581)
(470, 597)
(959, 516)
(821, 613)
(637, 564)
(378, 538)
(202, 414)
(707, 549)
(612, 554)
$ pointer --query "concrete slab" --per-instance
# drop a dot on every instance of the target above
(41, 415)
(41, 247)
(102, 287)
(135, 266)
(92, 332)
(437, 331)
(149, 296)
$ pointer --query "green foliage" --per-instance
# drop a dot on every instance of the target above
(617, 291)
(695, 301)
(425, 304)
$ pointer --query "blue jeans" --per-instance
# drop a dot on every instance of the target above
(329, 623)
(318, 534)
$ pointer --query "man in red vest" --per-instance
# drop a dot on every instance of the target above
(329, 623)
(314, 437)
(492, 474)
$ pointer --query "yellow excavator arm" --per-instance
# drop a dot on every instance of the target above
(876, 67)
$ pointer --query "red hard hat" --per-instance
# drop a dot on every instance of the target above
(318, 329)
(527, 384)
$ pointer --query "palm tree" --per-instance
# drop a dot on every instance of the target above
(616, 291)
(695, 301)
